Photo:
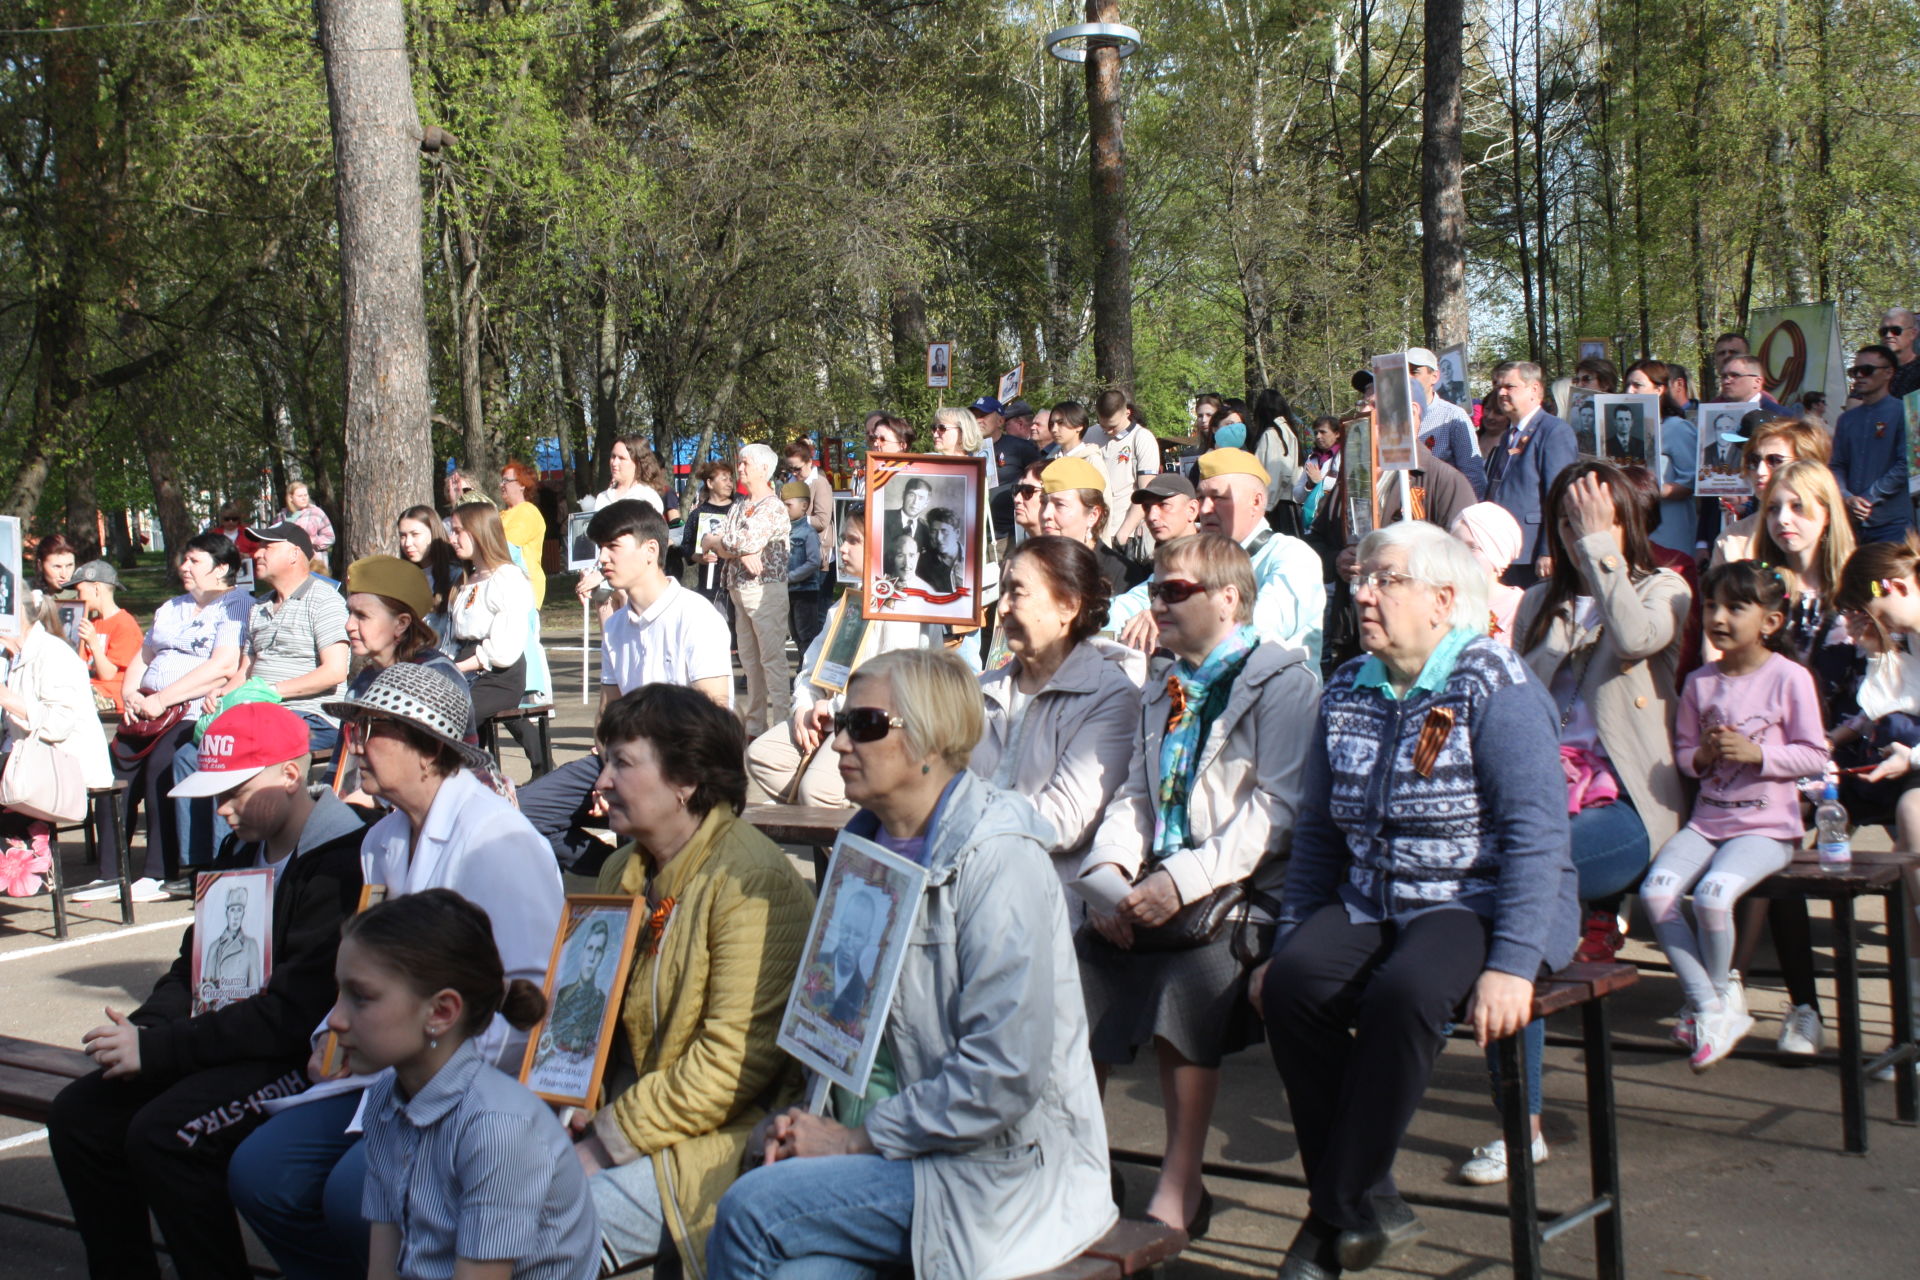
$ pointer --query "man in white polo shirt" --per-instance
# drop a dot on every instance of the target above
(666, 635)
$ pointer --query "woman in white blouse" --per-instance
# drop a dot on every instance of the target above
(489, 617)
(47, 696)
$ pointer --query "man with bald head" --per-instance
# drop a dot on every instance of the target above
(1897, 335)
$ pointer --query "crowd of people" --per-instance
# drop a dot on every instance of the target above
(1537, 683)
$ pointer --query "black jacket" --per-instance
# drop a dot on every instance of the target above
(319, 888)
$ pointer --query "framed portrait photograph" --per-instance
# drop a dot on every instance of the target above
(1393, 414)
(843, 512)
(939, 364)
(582, 552)
(332, 1061)
(1453, 376)
(924, 541)
(244, 579)
(1722, 467)
(72, 612)
(1580, 418)
(10, 580)
(1358, 470)
(705, 523)
(1627, 427)
(1594, 349)
(232, 936)
(1011, 384)
(1910, 405)
(847, 632)
(837, 1012)
(586, 978)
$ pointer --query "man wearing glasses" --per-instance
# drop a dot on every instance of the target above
(1870, 451)
(1897, 333)
(1742, 382)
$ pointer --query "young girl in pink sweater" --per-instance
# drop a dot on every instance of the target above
(1749, 725)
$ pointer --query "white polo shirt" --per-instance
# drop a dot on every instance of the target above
(680, 639)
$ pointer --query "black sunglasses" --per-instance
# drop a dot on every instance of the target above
(1026, 490)
(1892, 330)
(865, 724)
(1175, 591)
(1867, 370)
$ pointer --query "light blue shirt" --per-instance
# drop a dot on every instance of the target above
(1679, 460)
(1291, 605)
(1434, 674)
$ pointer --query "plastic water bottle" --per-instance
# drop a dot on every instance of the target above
(1830, 820)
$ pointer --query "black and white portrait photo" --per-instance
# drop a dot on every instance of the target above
(923, 533)
(939, 364)
(567, 1051)
(1722, 464)
(233, 936)
(1393, 413)
(1628, 427)
(9, 575)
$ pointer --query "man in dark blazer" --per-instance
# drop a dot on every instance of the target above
(1521, 468)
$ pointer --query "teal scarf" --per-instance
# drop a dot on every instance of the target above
(1198, 696)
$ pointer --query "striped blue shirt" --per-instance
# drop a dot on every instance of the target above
(475, 1166)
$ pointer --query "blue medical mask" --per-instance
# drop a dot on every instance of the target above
(1231, 436)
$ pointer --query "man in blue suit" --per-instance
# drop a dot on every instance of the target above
(1523, 467)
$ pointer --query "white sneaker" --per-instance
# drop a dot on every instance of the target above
(1801, 1031)
(1488, 1167)
(147, 889)
(1716, 1032)
(108, 889)
(1736, 992)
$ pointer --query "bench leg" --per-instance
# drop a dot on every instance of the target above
(1609, 1229)
(57, 878)
(1523, 1203)
(544, 734)
(490, 741)
(1899, 955)
(1846, 977)
(112, 836)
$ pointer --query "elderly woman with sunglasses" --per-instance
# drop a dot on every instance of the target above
(1207, 806)
(984, 1152)
(1430, 866)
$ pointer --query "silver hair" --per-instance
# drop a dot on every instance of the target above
(761, 456)
(1438, 559)
(1527, 369)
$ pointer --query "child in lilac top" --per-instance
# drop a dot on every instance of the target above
(1749, 725)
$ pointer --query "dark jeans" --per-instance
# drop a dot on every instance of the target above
(123, 1147)
(1356, 1014)
(556, 805)
(298, 1182)
(497, 689)
(803, 617)
(148, 780)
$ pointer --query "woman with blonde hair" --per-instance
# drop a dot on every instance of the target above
(489, 619)
(1770, 447)
(956, 433)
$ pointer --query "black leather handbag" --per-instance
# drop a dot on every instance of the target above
(1194, 925)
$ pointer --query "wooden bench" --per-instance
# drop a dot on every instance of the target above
(541, 714)
(32, 1074)
(1585, 987)
(813, 826)
(1873, 874)
(1132, 1248)
(101, 829)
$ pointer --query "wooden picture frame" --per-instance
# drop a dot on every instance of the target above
(847, 630)
(925, 549)
(232, 936)
(1594, 349)
(332, 1060)
(1012, 383)
(567, 1049)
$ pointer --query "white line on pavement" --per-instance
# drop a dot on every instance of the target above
(21, 1141)
(126, 931)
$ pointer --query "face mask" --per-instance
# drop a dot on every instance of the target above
(1231, 436)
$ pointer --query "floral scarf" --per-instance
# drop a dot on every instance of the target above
(1198, 697)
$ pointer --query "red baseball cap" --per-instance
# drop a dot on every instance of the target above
(240, 742)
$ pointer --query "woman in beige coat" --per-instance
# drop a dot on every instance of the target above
(1063, 716)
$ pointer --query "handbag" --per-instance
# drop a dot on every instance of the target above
(1194, 925)
(138, 738)
(42, 781)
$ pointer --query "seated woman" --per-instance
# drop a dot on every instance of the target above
(1063, 717)
(1073, 505)
(492, 619)
(696, 1066)
(1430, 866)
(1208, 802)
(388, 602)
(297, 1179)
(48, 698)
(423, 542)
(799, 747)
(988, 1155)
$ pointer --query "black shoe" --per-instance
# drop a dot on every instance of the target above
(1119, 1191)
(1396, 1228)
(1312, 1255)
(181, 888)
(1201, 1220)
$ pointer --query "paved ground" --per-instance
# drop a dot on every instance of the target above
(1737, 1173)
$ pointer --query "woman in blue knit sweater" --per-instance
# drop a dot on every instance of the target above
(1430, 866)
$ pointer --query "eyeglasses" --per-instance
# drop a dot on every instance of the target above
(1027, 492)
(1175, 591)
(1379, 579)
(1892, 330)
(1867, 370)
(865, 724)
(362, 727)
(1728, 375)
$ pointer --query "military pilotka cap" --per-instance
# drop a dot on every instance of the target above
(1232, 462)
(1064, 474)
(796, 489)
(1168, 484)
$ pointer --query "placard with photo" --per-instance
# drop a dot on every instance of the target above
(847, 631)
(837, 1013)
(582, 552)
(1012, 382)
(1722, 467)
(586, 978)
(10, 579)
(1627, 429)
(1580, 417)
(72, 613)
(1393, 414)
(707, 523)
(924, 543)
(1453, 376)
(1910, 404)
(939, 364)
(232, 936)
(1594, 349)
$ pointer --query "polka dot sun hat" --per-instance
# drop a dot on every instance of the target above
(421, 697)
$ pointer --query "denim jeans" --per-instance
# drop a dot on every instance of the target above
(202, 829)
(297, 1180)
(825, 1218)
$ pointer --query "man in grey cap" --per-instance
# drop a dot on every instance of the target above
(1171, 508)
(1445, 427)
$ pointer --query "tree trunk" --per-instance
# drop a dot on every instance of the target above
(1443, 202)
(376, 139)
(460, 258)
(606, 385)
(83, 509)
(907, 323)
(1113, 272)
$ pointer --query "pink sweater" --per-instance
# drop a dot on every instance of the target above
(1779, 708)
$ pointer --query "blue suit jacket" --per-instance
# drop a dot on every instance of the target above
(1518, 479)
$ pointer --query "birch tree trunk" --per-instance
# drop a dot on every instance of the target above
(1443, 203)
(1113, 271)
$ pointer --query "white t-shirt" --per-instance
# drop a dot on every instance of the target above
(638, 493)
(1128, 456)
(681, 639)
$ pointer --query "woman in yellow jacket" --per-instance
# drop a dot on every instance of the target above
(695, 1066)
(525, 527)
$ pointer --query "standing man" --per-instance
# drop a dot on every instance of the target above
(1897, 335)
(1870, 451)
(666, 634)
(1742, 382)
(1009, 454)
(1130, 453)
(1445, 428)
(753, 542)
(1725, 347)
(1537, 448)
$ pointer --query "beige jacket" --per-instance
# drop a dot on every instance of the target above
(1629, 681)
(1079, 734)
(1736, 541)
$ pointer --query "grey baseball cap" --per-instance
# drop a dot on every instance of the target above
(95, 571)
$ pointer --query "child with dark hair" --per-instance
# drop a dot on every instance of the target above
(465, 1166)
(1748, 726)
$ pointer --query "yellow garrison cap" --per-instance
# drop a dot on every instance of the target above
(394, 578)
(1063, 474)
(1232, 462)
(795, 489)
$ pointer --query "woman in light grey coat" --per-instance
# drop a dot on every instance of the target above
(983, 1155)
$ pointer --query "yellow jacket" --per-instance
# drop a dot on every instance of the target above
(526, 529)
(701, 1012)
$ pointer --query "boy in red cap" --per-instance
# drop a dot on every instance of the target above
(153, 1129)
